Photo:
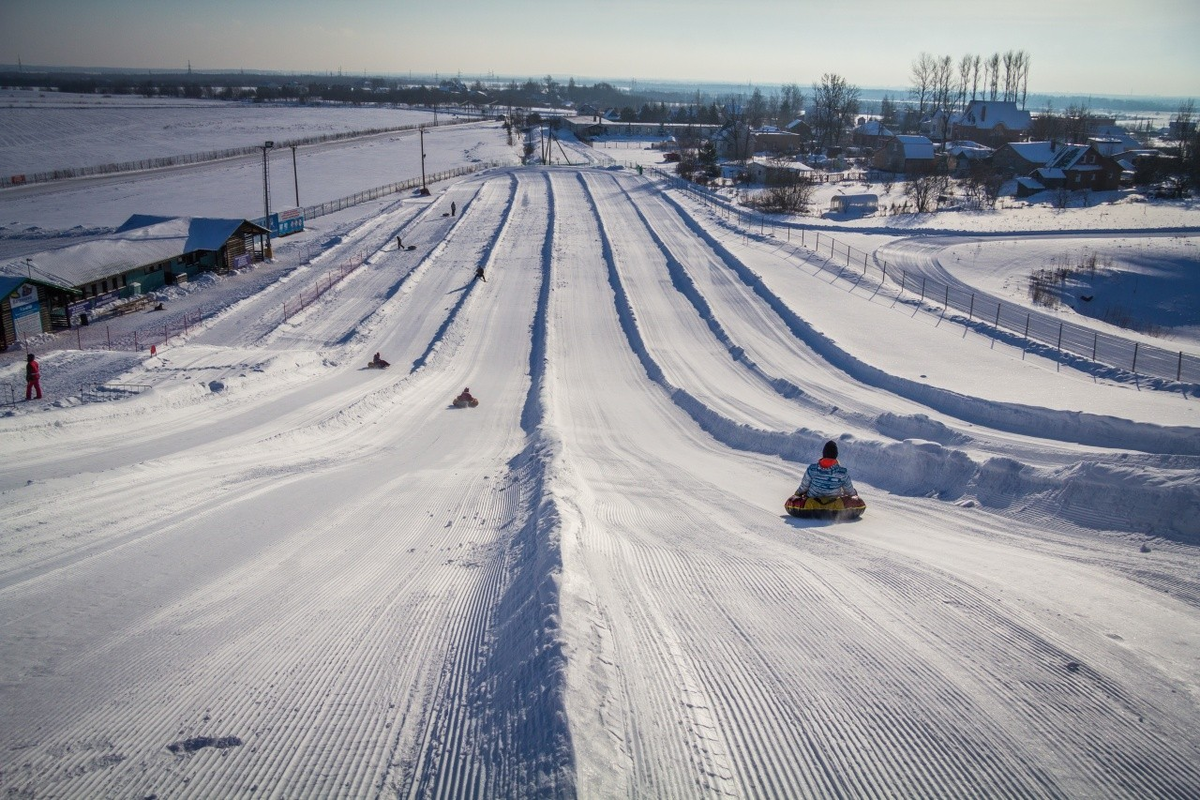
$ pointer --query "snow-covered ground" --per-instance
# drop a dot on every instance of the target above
(275, 571)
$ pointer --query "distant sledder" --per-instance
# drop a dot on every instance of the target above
(378, 363)
(465, 400)
(826, 491)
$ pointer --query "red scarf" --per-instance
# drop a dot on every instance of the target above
(826, 463)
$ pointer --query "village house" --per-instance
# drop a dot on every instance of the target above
(774, 172)
(1080, 167)
(1021, 158)
(961, 157)
(905, 154)
(773, 140)
(992, 122)
(800, 128)
(870, 133)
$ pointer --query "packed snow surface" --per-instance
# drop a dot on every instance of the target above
(263, 568)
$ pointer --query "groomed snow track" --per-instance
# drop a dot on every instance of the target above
(316, 580)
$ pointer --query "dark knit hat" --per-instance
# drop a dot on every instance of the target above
(830, 450)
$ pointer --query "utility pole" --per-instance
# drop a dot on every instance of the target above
(295, 176)
(424, 188)
(266, 182)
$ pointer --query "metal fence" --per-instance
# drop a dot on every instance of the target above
(1010, 320)
(197, 158)
(330, 206)
(323, 284)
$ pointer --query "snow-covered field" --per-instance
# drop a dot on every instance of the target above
(274, 571)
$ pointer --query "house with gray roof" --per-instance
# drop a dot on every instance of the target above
(992, 122)
(148, 252)
(905, 153)
(1022, 158)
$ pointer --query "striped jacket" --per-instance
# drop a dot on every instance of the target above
(826, 478)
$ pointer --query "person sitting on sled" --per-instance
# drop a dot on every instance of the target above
(826, 478)
(378, 362)
(465, 397)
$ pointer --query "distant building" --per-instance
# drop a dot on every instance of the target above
(962, 156)
(776, 141)
(993, 122)
(1080, 167)
(870, 134)
(774, 172)
(1022, 158)
(905, 153)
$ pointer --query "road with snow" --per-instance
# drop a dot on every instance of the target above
(279, 573)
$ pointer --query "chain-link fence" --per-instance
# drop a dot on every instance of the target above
(1011, 320)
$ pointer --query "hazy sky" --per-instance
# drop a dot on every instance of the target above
(1099, 47)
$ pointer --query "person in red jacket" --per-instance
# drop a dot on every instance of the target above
(33, 377)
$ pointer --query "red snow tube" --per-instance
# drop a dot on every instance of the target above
(838, 508)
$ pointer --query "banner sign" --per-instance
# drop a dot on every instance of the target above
(286, 222)
(26, 313)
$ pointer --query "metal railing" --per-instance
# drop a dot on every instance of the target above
(162, 162)
(983, 312)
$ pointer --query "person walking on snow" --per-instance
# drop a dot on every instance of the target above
(453, 208)
(33, 377)
(826, 478)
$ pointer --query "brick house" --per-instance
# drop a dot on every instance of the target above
(904, 153)
(993, 122)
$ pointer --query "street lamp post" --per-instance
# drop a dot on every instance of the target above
(266, 182)
(424, 188)
(295, 176)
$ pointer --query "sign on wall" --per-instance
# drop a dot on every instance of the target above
(26, 313)
(283, 223)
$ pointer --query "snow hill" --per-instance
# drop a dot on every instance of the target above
(267, 569)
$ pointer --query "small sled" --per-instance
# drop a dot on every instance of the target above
(835, 508)
(460, 402)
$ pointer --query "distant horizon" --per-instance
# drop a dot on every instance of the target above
(625, 82)
(1073, 46)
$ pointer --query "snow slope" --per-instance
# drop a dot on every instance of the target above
(276, 571)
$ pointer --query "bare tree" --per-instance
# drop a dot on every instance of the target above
(791, 103)
(835, 104)
(924, 188)
(1010, 76)
(756, 109)
(943, 93)
(787, 192)
(964, 80)
(993, 76)
(1024, 76)
(976, 66)
(1183, 126)
(1075, 125)
(924, 69)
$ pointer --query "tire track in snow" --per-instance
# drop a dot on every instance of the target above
(1079, 428)
(951, 753)
(352, 712)
(497, 726)
(914, 467)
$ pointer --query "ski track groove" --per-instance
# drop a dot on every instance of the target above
(750, 709)
(909, 736)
